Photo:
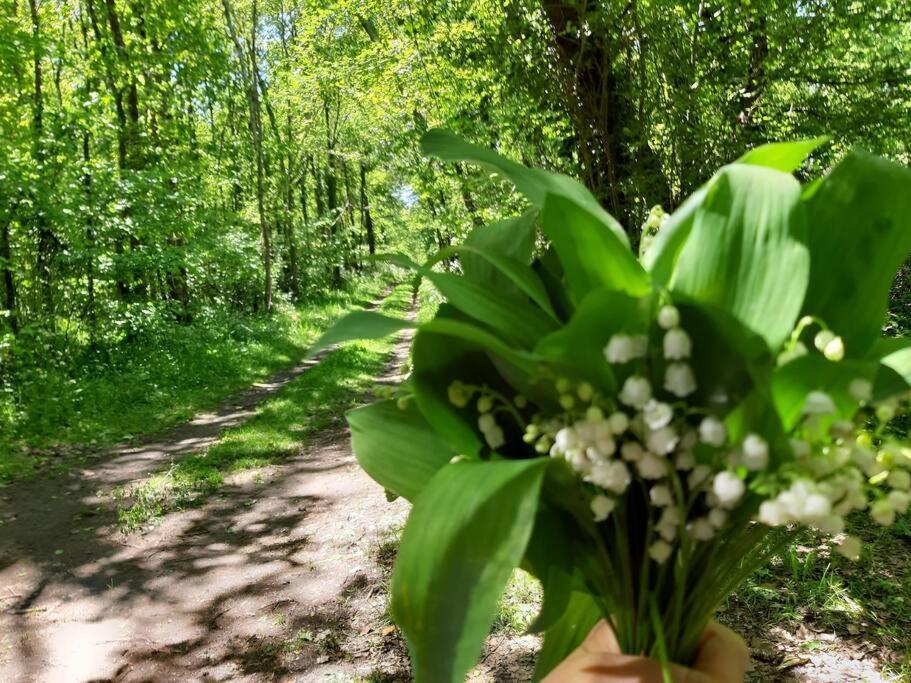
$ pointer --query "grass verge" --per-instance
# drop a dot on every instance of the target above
(866, 603)
(52, 417)
(314, 401)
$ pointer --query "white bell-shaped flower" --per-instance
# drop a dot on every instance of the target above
(677, 344)
(679, 379)
(660, 551)
(662, 441)
(636, 392)
(712, 431)
(661, 496)
(755, 452)
(601, 507)
(819, 403)
(611, 475)
(728, 488)
(657, 414)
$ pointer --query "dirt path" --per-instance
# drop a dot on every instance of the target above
(204, 595)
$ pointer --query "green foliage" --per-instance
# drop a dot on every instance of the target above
(737, 259)
(474, 519)
(89, 398)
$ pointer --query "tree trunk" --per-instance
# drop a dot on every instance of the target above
(592, 97)
(47, 243)
(366, 218)
(256, 133)
(9, 280)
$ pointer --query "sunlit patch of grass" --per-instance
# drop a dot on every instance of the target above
(386, 548)
(314, 401)
(519, 604)
(808, 584)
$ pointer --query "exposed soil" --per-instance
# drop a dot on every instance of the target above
(282, 575)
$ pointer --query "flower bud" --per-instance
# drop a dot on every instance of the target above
(668, 317)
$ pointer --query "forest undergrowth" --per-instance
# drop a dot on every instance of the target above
(80, 399)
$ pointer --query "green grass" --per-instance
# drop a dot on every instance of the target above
(314, 401)
(870, 598)
(519, 604)
(50, 417)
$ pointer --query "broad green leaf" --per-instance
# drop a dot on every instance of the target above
(661, 258)
(489, 342)
(550, 271)
(396, 259)
(894, 375)
(793, 381)
(512, 275)
(783, 156)
(728, 358)
(859, 221)
(438, 360)
(579, 345)
(549, 558)
(512, 239)
(579, 618)
(535, 184)
(359, 325)
(592, 257)
(516, 321)
(466, 534)
(746, 253)
(397, 447)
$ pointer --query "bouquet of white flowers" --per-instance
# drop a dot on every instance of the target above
(641, 435)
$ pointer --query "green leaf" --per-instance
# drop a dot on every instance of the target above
(549, 558)
(794, 380)
(513, 239)
(783, 156)
(592, 257)
(438, 360)
(732, 363)
(397, 447)
(490, 342)
(535, 184)
(359, 325)
(516, 321)
(579, 618)
(894, 375)
(466, 534)
(661, 258)
(859, 220)
(579, 345)
(512, 275)
(746, 252)
(396, 259)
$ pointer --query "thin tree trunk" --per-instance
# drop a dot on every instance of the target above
(9, 280)
(256, 129)
(366, 217)
(46, 240)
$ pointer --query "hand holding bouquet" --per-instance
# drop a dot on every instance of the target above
(641, 435)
